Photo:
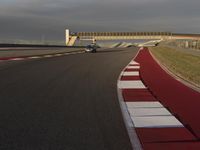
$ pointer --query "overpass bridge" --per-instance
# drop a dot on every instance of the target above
(101, 36)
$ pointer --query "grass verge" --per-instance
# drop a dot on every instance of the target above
(184, 65)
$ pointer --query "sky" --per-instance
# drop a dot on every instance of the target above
(48, 19)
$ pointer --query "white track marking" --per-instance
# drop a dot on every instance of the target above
(58, 55)
(131, 85)
(142, 112)
(34, 57)
(44, 56)
(132, 73)
(47, 56)
(156, 122)
(144, 104)
(126, 116)
(133, 67)
(151, 115)
(16, 59)
(133, 63)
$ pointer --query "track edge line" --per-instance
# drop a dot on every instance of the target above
(134, 139)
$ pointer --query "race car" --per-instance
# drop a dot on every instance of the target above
(92, 48)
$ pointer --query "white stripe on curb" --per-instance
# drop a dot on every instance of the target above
(133, 67)
(156, 122)
(16, 59)
(34, 57)
(133, 63)
(151, 115)
(48, 56)
(144, 112)
(131, 73)
(131, 85)
(144, 104)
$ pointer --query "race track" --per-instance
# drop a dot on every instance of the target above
(67, 102)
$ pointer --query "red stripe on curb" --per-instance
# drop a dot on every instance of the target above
(148, 135)
(131, 95)
(173, 146)
(125, 78)
(131, 69)
(11, 58)
(134, 64)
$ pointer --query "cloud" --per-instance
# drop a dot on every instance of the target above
(34, 18)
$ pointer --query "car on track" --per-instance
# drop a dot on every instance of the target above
(92, 48)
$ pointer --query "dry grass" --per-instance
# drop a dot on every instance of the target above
(185, 65)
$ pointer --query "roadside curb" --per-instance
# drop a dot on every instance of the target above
(134, 139)
(159, 121)
(143, 113)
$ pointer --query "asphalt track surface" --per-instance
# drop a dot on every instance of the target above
(63, 103)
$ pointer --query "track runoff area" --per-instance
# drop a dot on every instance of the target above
(160, 112)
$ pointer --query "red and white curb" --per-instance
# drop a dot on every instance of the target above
(140, 108)
(38, 56)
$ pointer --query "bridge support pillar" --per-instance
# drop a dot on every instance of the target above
(69, 40)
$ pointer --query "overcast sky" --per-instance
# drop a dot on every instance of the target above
(33, 19)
